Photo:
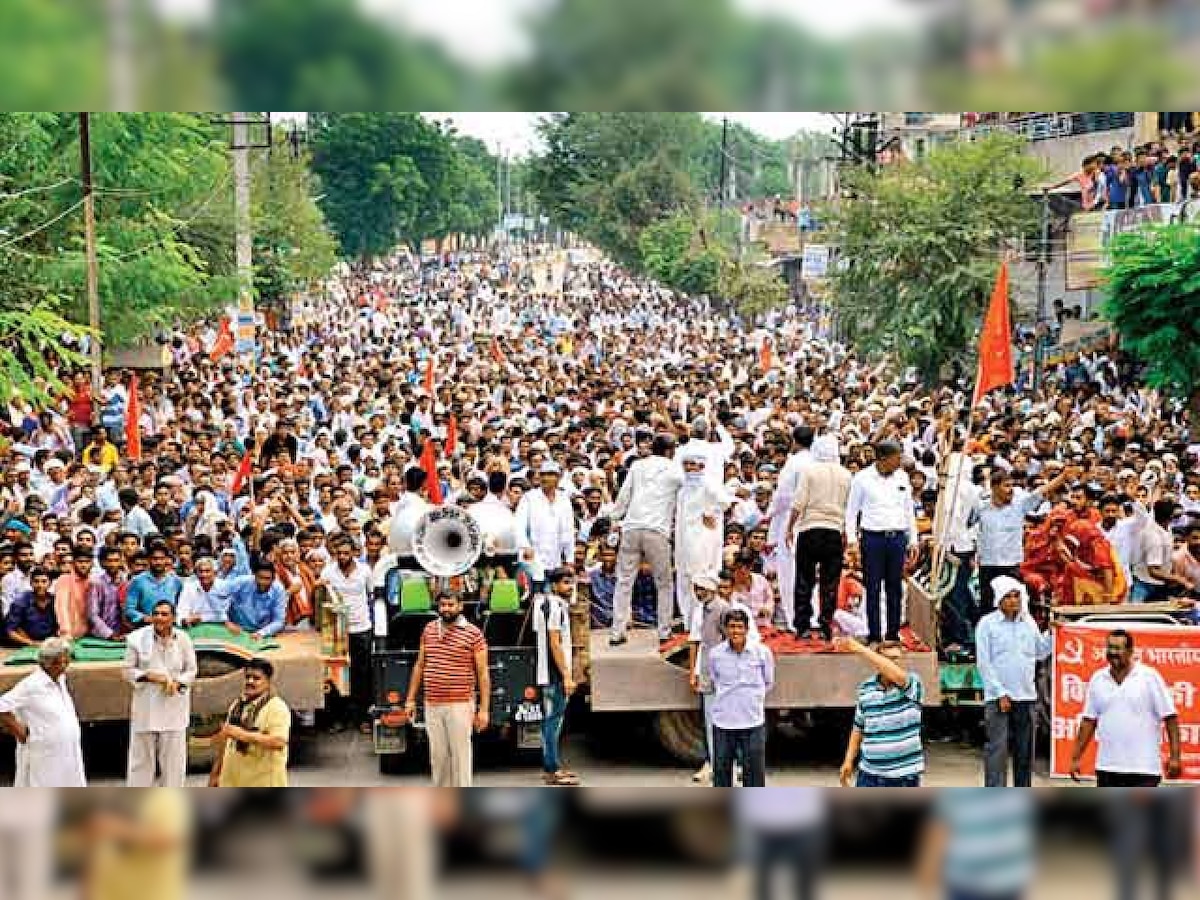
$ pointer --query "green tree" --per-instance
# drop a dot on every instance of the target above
(1153, 300)
(923, 241)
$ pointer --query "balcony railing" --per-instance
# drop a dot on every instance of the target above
(1048, 126)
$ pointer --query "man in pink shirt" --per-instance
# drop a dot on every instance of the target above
(71, 596)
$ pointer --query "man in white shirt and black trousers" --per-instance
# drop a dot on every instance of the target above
(1126, 707)
(881, 510)
(552, 626)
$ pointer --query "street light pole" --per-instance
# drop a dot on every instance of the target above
(89, 239)
(1039, 340)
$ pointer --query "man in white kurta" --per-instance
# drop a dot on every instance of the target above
(160, 664)
(40, 714)
(783, 557)
(698, 535)
(545, 525)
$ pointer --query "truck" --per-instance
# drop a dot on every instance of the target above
(102, 695)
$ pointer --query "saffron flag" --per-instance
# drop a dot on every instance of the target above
(224, 342)
(765, 359)
(240, 476)
(995, 341)
(133, 421)
(429, 464)
(497, 353)
(452, 435)
(429, 374)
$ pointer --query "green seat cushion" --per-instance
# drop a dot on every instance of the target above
(505, 597)
(414, 596)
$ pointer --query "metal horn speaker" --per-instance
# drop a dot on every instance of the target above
(447, 541)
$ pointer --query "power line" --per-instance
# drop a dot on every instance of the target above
(38, 190)
(62, 215)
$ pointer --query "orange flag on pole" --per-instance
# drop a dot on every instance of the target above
(224, 342)
(429, 464)
(133, 417)
(452, 435)
(995, 341)
(765, 359)
(242, 473)
(497, 353)
(429, 374)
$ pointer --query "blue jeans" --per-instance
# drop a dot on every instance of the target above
(959, 614)
(883, 568)
(746, 745)
(867, 780)
(554, 711)
(1144, 592)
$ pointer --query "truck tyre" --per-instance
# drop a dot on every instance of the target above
(703, 834)
(202, 742)
(396, 764)
(681, 733)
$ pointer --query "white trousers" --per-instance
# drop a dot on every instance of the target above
(157, 753)
(401, 845)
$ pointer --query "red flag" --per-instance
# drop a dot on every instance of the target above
(497, 353)
(224, 342)
(764, 355)
(240, 476)
(452, 435)
(133, 418)
(995, 341)
(429, 374)
(429, 464)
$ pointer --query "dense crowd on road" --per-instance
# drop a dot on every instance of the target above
(691, 467)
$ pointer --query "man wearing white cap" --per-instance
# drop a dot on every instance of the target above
(698, 534)
(546, 525)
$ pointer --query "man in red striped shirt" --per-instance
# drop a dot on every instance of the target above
(453, 667)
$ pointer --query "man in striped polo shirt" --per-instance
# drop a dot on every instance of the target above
(886, 740)
(453, 666)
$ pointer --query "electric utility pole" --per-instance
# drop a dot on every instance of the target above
(89, 239)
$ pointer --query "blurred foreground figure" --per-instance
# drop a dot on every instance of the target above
(40, 715)
(26, 854)
(979, 844)
(1147, 828)
(402, 846)
(783, 828)
(140, 851)
(252, 749)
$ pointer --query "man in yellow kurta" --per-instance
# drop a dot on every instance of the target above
(252, 746)
(142, 854)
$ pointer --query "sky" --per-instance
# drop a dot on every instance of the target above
(514, 132)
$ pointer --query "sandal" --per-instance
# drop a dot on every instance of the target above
(560, 779)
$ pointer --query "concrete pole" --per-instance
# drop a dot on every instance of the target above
(243, 247)
(89, 239)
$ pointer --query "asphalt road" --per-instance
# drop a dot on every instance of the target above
(619, 760)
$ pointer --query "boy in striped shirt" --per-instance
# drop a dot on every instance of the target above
(886, 740)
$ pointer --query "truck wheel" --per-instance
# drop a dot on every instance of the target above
(395, 764)
(202, 743)
(681, 733)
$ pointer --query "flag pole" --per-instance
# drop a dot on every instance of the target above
(944, 525)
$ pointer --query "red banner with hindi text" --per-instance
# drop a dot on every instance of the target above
(1174, 650)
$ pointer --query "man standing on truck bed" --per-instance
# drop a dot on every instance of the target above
(451, 666)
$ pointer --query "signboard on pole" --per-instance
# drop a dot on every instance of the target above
(815, 265)
(1174, 650)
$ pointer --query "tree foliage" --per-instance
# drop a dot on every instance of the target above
(392, 177)
(923, 241)
(164, 225)
(1153, 300)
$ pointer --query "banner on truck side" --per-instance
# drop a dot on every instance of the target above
(1174, 650)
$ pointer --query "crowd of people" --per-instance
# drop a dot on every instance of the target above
(694, 469)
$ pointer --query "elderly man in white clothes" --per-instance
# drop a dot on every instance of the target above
(699, 510)
(160, 664)
(778, 537)
(40, 714)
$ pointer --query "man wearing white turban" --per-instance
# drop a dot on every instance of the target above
(699, 536)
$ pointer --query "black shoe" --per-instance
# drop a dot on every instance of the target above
(826, 633)
(804, 635)
(618, 641)
(893, 639)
